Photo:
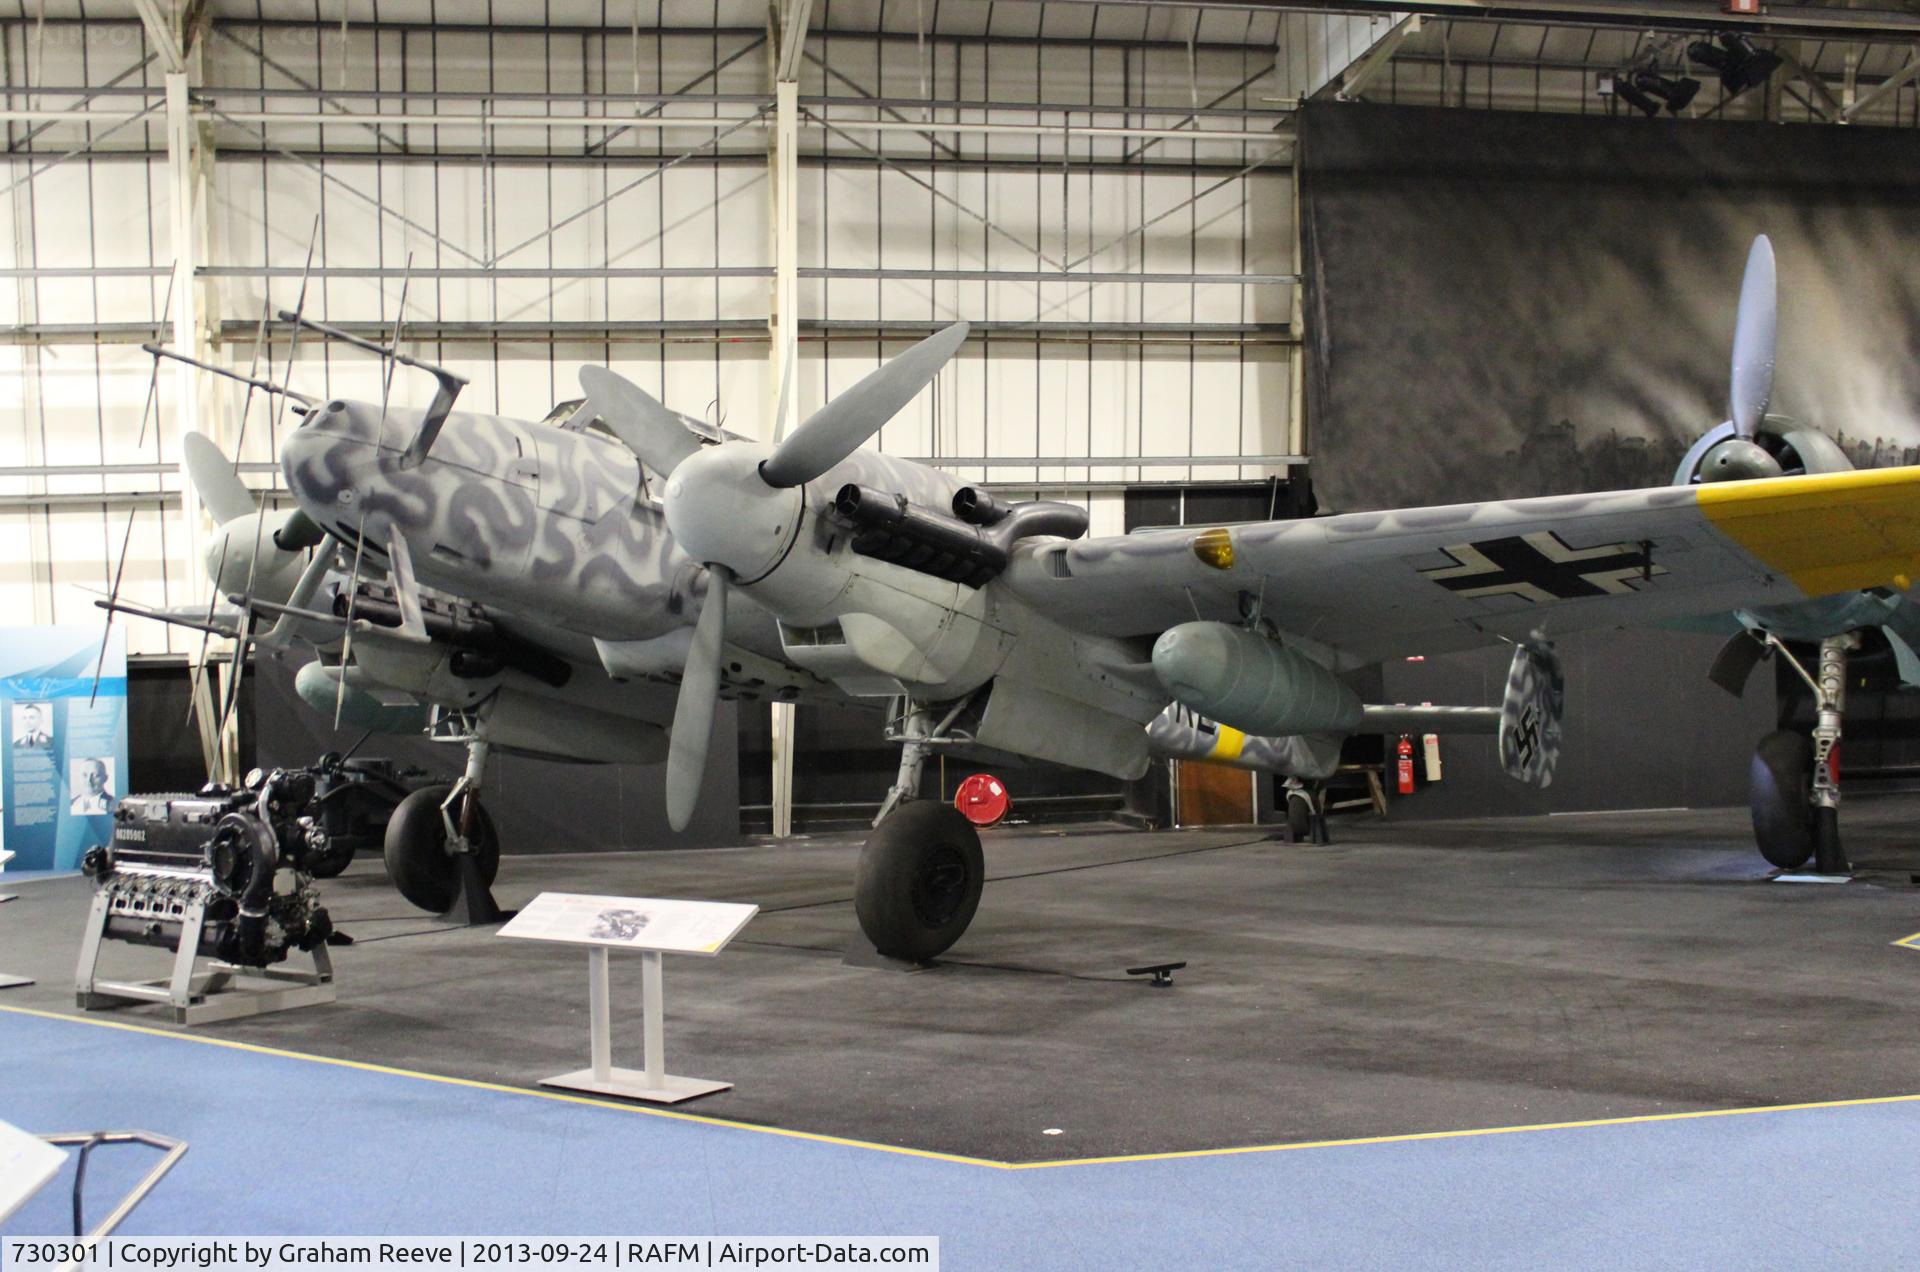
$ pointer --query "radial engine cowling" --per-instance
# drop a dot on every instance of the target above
(1782, 447)
(1257, 685)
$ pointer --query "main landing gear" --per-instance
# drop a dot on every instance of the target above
(921, 870)
(442, 851)
(1794, 789)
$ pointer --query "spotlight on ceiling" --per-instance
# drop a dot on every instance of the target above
(1736, 61)
(1628, 91)
(1647, 92)
(1674, 93)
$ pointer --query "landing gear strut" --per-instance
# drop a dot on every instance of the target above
(1795, 786)
(921, 870)
(442, 851)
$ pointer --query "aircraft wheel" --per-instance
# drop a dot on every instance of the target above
(1299, 817)
(1780, 793)
(416, 850)
(919, 879)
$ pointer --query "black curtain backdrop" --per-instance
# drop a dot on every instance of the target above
(1502, 305)
(1505, 304)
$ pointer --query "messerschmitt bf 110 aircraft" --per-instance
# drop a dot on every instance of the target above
(983, 624)
(512, 585)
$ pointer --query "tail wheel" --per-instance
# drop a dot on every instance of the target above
(1781, 793)
(1299, 816)
(418, 862)
(919, 881)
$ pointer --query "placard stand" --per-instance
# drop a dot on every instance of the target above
(7, 979)
(601, 1077)
(650, 927)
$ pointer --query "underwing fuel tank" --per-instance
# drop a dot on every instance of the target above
(1252, 682)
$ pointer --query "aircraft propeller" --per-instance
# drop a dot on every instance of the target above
(1739, 457)
(712, 502)
(645, 427)
(836, 430)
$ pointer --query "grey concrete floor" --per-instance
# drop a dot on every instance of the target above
(1409, 978)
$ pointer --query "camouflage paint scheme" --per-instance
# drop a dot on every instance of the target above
(551, 529)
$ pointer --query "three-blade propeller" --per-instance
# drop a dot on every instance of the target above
(828, 437)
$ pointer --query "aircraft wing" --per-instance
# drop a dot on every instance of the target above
(1374, 585)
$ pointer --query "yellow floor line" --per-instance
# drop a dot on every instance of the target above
(1908, 941)
(814, 1137)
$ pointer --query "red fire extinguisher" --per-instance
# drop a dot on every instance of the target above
(1405, 752)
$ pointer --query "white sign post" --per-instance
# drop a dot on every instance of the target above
(653, 927)
(5, 857)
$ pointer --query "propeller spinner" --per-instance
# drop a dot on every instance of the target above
(737, 508)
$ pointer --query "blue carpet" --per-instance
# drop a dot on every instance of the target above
(8, 877)
(284, 1145)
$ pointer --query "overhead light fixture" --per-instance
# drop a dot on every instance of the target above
(1673, 93)
(1629, 92)
(1736, 61)
(1648, 92)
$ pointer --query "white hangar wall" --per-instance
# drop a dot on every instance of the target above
(1037, 168)
(534, 249)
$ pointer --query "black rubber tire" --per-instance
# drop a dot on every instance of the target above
(330, 863)
(1299, 817)
(1780, 792)
(418, 862)
(919, 880)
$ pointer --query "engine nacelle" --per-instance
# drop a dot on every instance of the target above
(1783, 447)
(1252, 682)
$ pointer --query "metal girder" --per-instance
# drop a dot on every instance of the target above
(846, 273)
(1376, 59)
(1822, 103)
(793, 37)
(168, 42)
(84, 148)
(1807, 20)
(1885, 88)
(687, 330)
(605, 199)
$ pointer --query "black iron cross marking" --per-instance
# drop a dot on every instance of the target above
(1540, 567)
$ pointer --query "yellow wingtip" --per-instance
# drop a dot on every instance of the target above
(1828, 532)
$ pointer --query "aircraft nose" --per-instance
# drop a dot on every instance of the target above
(319, 458)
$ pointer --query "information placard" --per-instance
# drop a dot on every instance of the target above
(631, 923)
(63, 703)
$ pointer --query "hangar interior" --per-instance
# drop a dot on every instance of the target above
(1227, 269)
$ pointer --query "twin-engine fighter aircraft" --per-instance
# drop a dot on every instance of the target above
(512, 584)
(532, 596)
(1795, 788)
(888, 578)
